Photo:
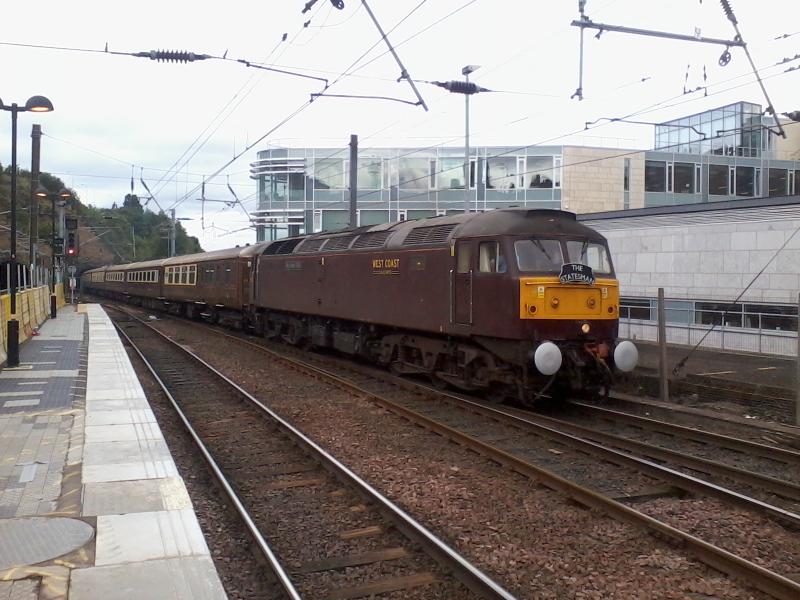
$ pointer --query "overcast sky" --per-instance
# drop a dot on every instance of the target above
(115, 115)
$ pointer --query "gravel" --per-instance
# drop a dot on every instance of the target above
(532, 540)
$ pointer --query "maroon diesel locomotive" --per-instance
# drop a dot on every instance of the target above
(512, 302)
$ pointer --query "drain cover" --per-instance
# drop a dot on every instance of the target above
(32, 540)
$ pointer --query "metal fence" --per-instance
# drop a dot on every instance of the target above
(759, 333)
(27, 277)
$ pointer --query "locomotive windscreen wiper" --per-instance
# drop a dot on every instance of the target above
(543, 249)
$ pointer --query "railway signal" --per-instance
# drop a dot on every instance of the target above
(72, 246)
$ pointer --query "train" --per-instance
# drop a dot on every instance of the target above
(511, 303)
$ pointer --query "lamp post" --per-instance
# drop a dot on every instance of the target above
(34, 104)
(42, 192)
(465, 72)
(466, 88)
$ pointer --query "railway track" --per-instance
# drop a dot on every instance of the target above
(483, 437)
(330, 534)
(699, 419)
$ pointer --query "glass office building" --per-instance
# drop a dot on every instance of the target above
(308, 189)
(721, 154)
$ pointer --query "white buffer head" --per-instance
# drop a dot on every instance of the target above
(626, 356)
(547, 358)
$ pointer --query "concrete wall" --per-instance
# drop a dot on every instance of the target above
(711, 255)
(593, 179)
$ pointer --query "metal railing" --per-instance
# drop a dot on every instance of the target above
(26, 277)
(740, 331)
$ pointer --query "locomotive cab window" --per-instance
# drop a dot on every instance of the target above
(490, 258)
(592, 254)
(463, 257)
(535, 255)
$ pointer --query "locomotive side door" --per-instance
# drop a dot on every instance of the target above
(461, 284)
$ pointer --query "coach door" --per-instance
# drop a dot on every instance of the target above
(462, 285)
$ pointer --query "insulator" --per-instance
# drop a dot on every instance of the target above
(175, 56)
(726, 6)
(461, 87)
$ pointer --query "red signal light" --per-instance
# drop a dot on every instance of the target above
(70, 251)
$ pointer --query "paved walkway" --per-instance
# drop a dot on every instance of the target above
(91, 503)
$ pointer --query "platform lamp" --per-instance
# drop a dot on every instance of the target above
(65, 195)
(34, 104)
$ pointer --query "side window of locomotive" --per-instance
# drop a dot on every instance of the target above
(490, 258)
(542, 256)
(592, 254)
(463, 257)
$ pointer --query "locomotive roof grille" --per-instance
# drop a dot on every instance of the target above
(285, 247)
(374, 239)
(339, 243)
(436, 234)
(311, 245)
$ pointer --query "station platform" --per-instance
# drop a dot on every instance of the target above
(91, 502)
(751, 369)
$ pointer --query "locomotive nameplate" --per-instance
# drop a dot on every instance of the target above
(576, 273)
(385, 266)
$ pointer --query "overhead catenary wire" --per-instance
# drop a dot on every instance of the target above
(294, 113)
(645, 110)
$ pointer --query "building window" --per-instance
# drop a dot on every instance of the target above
(329, 174)
(718, 180)
(770, 316)
(451, 174)
(415, 173)
(539, 172)
(712, 313)
(557, 171)
(501, 173)
(745, 181)
(684, 178)
(626, 176)
(655, 176)
(369, 174)
(635, 308)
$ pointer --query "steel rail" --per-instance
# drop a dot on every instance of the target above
(677, 478)
(667, 474)
(718, 558)
(748, 446)
(787, 489)
(233, 498)
(463, 570)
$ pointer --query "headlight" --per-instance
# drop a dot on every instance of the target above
(585, 328)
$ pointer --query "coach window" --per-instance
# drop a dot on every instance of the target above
(182, 280)
(490, 258)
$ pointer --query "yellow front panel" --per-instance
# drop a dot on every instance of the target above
(548, 298)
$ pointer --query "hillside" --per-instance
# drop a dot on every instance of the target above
(105, 235)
